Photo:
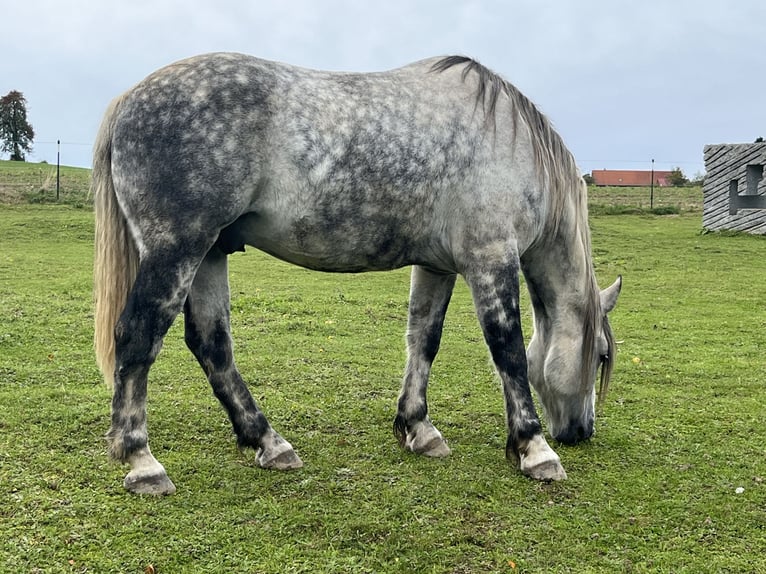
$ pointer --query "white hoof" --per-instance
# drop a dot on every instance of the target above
(425, 439)
(154, 484)
(277, 454)
(539, 461)
(147, 475)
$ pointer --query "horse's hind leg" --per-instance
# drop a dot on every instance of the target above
(429, 296)
(494, 283)
(208, 336)
(155, 300)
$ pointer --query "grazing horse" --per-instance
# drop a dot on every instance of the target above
(440, 165)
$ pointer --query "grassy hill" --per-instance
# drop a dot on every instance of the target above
(24, 182)
(626, 200)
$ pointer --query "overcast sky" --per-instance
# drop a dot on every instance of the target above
(624, 82)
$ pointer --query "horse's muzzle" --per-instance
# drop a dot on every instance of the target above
(576, 432)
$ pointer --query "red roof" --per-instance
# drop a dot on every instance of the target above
(629, 178)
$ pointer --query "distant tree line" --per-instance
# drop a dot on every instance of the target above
(16, 133)
(677, 178)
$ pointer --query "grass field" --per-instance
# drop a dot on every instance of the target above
(23, 182)
(633, 200)
(654, 491)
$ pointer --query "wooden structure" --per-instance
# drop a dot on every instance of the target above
(629, 177)
(734, 188)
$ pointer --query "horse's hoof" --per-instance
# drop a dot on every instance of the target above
(157, 484)
(280, 460)
(547, 471)
(436, 448)
(425, 439)
(536, 459)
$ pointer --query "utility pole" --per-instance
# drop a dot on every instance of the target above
(58, 168)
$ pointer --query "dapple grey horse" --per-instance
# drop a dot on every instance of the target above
(440, 165)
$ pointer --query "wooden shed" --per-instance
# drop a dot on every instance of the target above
(734, 188)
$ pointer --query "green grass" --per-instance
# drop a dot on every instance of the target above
(653, 491)
(23, 182)
(636, 200)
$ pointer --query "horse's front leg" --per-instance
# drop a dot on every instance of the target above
(495, 289)
(429, 296)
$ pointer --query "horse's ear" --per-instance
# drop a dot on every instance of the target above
(610, 294)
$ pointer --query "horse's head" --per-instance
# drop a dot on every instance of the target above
(564, 356)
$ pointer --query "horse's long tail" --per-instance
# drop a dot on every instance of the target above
(116, 255)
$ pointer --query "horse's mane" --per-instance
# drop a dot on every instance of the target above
(558, 173)
(555, 164)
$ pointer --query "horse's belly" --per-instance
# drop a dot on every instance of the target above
(338, 246)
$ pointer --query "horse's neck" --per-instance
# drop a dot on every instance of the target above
(559, 274)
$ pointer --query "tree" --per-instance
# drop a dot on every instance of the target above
(758, 140)
(698, 180)
(677, 177)
(16, 134)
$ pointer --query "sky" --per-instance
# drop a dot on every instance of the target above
(623, 82)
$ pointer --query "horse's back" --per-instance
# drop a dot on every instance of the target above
(331, 170)
(367, 170)
(224, 105)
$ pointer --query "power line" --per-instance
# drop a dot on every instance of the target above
(646, 161)
(64, 143)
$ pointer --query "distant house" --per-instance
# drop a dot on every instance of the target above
(630, 178)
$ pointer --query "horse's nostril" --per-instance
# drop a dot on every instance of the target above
(576, 433)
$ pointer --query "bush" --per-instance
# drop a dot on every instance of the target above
(666, 210)
(677, 177)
